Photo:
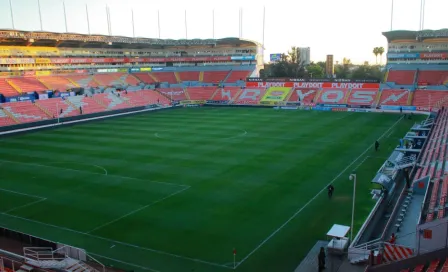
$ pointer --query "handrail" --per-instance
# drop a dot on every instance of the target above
(367, 243)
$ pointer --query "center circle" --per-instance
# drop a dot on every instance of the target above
(222, 134)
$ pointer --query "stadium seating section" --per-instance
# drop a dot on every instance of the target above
(394, 97)
(332, 96)
(27, 84)
(201, 93)
(145, 78)
(401, 77)
(227, 93)
(433, 77)
(428, 98)
(237, 75)
(250, 96)
(305, 96)
(215, 76)
(168, 77)
(6, 89)
(57, 83)
(189, 76)
(176, 94)
(432, 266)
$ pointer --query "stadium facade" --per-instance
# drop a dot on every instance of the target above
(48, 77)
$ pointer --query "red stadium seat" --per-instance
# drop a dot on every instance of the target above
(305, 96)
(25, 111)
(176, 94)
(433, 77)
(6, 89)
(401, 77)
(57, 83)
(165, 77)
(433, 99)
(145, 78)
(27, 84)
(214, 76)
(332, 96)
(201, 93)
(226, 93)
(237, 75)
(189, 76)
(250, 96)
(394, 97)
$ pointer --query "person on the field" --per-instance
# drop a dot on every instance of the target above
(401, 110)
(321, 259)
(330, 190)
(392, 239)
(377, 145)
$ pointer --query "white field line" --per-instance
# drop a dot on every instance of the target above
(137, 210)
(82, 171)
(313, 198)
(19, 193)
(26, 205)
(123, 262)
(79, 163)
(115, 242)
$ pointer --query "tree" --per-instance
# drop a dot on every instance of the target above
(315, 71)
(376, 52)
(322, 64)
(290, 65)
(381, 52)
(367, 72)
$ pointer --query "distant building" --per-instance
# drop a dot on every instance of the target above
(305, 55)
(329, 66)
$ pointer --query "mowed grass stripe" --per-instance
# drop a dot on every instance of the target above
(241, 189)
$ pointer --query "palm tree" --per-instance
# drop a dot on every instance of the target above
(381, 52)
(376, 52)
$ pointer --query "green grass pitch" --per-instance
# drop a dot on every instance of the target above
(178, 190)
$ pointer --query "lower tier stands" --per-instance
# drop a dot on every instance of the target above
(25, 112)
(55, 107)
(237, 75)
(87, 104)
(111, 101)
(332, 96)
(201, 93)
(433, 77)
(27, 84)
(57, 83)
(189, 76)
(109, 79)
(250, 96)
(169, 77)
(144, 98)
(226, 94)
(129, 79)
(215, 76)
(432, 266)
(306, 96)
(5, 120)
(394, 97)
(430, 99)
(6, 89)
(364, 97)
(401, 77)
(83, 80)
(145, 78)
(175, 94)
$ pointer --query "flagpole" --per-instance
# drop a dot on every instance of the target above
(158, 21)
(88, 21)
(213, 23)
(392, 16)
(133, 28)
(423, 15)
(40, 16)
(57, 110)
(186, 33)
(12, 14)
(65, 17)
(241, 22)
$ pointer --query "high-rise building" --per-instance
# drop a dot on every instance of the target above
(305, 55)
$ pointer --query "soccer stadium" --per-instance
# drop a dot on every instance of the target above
(140, 154)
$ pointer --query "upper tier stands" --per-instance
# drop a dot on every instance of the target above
(57, 83)
(237, 75)
(201, 93)
(6, 89)
(433, 77)
(394, 97)
(215, 76)
(169, 77)
(189, 76)
(401, 77)
(428, 98)
(27, 84)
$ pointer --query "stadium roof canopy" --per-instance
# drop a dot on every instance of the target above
(37, 38)
(415, 35)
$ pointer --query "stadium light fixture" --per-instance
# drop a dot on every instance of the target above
(352, 177)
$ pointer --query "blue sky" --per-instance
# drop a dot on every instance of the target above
(344, 28)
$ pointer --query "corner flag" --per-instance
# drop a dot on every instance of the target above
(234, 257)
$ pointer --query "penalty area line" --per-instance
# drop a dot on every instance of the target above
(313, 198)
